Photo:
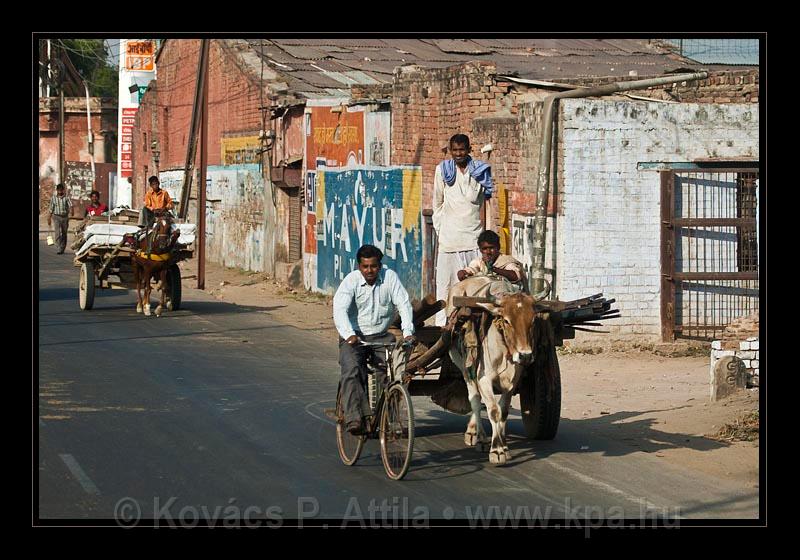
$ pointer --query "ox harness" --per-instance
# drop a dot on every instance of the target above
(474, 330)
(152, 257)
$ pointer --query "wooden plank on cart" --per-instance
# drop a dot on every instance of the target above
(466, 301)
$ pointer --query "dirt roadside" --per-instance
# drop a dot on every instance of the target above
(653, 403)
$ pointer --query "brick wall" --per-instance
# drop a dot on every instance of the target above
(740, 339)
(234, 98)
(429, 106)
(371, 91)
(608, 225)
(76, 144)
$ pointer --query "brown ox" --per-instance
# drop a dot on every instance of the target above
(503, 354)
(152, 260)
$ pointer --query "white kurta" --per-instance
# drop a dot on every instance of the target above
(457, 211)
(457, 221)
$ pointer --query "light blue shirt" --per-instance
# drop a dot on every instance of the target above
(357, 306)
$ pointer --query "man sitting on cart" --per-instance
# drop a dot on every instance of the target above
(363, 309)
(492, 262)
(156, 201)
(95, 207)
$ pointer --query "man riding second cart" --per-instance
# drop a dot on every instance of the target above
(156, 200)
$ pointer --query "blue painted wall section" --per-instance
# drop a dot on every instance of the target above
(376, 205)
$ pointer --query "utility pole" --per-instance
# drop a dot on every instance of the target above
(183, 209)
(201, 188)
(61, 134)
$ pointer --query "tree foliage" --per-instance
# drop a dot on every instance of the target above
(90, 58)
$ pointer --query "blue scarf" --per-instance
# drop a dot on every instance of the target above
(480, 171)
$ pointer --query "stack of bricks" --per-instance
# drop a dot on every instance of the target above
(370, 91)
(740, 339)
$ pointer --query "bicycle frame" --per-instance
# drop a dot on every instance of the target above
(376, 396)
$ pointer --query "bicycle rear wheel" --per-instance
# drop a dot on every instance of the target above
(350, 446)
(397, 432)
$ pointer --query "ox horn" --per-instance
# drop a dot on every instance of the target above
(539, 296)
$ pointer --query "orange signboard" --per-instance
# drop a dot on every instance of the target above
(139, 55)
(336, 139)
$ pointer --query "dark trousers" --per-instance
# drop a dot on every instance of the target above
(146, 217)
(61, 223)
(353, 385)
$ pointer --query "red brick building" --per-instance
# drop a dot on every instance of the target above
(76, 148)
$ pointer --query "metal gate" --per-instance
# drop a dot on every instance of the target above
(709, 250)
(295, 225)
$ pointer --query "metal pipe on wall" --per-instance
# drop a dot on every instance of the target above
(537, 281)
(91, 138)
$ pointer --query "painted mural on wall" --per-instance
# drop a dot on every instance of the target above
(310, 232)
(240, 150)
(234, 213)
(522, 245)
(79, 180)
(378, 137)
(334, 139)
(379, 206)
(522, 241)
(235, 216)
(172, 182)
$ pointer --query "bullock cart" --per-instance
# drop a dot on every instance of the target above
(429, 371)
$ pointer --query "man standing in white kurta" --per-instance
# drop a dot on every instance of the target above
(460, 186)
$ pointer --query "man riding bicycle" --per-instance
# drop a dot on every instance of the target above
(363, 308)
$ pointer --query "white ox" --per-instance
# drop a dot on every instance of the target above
(504, 353)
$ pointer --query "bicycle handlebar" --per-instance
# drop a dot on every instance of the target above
(405, 344)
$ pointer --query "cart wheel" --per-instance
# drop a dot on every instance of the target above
(397, 432)
(174, 283)
(540, 401)
(350, 446)
(86, 286)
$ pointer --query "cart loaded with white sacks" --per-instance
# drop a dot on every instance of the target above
(104, 256)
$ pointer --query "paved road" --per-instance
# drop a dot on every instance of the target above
(217, 410)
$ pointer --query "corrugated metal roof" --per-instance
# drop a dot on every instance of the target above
(461, 46)
(316, 78)
(305, 53)
(315, 65)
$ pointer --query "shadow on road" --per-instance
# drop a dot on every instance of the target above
(636, 435)
(54, 294)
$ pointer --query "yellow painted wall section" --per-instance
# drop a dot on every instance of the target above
(504, 227)
(241, 149)
(320, 205)
(412, 198)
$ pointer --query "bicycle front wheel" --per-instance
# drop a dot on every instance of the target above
(350, 446)
(397, 432)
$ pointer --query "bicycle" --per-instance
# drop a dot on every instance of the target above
(392, 419)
